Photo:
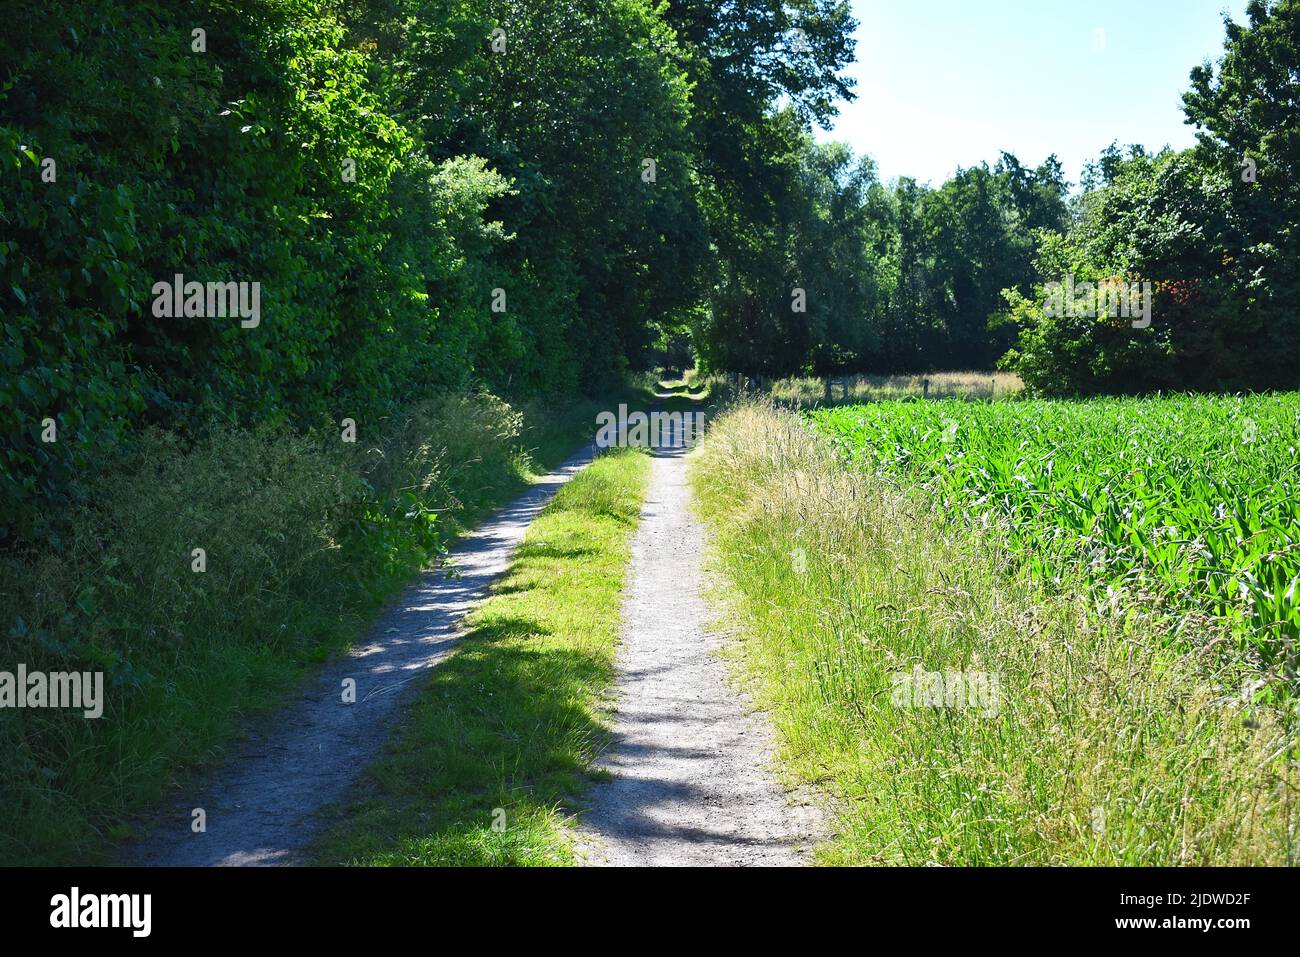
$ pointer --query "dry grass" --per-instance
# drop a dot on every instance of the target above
(868, 388)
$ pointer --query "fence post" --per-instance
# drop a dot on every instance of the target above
(925, 388)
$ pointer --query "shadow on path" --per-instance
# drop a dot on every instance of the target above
(261, 806)
(691, 782)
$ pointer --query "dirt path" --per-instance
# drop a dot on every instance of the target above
(692, 783)
(261, 804)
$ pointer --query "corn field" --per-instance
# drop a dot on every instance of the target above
(1191, 503)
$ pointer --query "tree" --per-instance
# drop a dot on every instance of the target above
(1215, 230)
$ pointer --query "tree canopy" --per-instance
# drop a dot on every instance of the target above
(537, 195)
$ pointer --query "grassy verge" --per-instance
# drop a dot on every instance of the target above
(1100, 744)
(507, 728)
(304, 537)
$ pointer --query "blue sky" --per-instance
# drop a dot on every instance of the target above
(948, 83)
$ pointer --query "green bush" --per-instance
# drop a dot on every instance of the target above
(303, 536)
(1212, 228)
(234, 163)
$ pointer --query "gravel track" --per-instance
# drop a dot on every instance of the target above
(261, 804)
(690, 759)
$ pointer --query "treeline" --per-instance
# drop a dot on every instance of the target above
(529, 195)
(534, 196)
(1214, 229)
(859, 276)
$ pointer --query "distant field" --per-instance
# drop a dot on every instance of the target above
(1192, 503)
(871, 388)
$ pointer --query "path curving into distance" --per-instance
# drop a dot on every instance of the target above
(261, 804)
(692, 784)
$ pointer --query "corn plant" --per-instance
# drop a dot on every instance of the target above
(1190, 502)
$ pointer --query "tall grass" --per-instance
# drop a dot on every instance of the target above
(304, 535)
(506, 730)
(1109, 745)
(873, 388)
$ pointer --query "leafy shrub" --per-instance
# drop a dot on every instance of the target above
(303, 535)
(1213, 227)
